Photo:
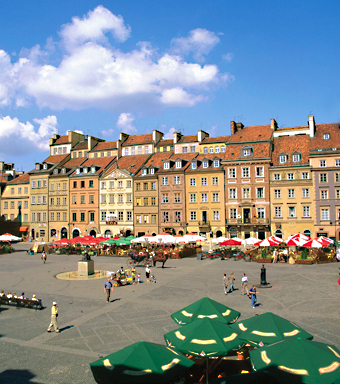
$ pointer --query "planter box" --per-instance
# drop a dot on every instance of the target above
(264, 260)
(303, 261)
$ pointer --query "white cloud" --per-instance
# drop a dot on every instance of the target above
(200, 41)
(93, 27)
(20, 138)
(213, 131)
(94, 74)
(125, 123)
(228, 57)
(170, 133)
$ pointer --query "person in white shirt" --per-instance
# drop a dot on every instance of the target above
(244, 284)
(9, 295)
(34, 297)
(147, 273)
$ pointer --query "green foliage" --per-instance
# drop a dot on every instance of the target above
(264, 253)
(7, 249)
(304, 254)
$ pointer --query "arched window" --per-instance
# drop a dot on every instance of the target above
(307, 232)
(205, 150)
(218, 233)
(75, 233)
(279, 233)
(93, 233)
(107, 233)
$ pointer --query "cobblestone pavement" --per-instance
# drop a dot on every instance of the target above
(305, 294)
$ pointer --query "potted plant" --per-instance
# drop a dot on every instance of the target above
(263, 257)
(305, 259)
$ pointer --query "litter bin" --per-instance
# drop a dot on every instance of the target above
(199, 255)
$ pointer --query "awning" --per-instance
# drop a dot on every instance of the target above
(23, 229)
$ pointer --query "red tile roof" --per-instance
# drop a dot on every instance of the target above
(218, 139)
(105, 145)
(101, 162)
(81, 145)
(25, 178)
(138, 140)
(298, 144)
(61, 140)
(75, 162)
(186, 161)
(260, 151)
(188, 139)
(55, 159)
(156, 160)
(334, 136)
(252, 133)
(163, 143)
(210, 157)
(131, 164)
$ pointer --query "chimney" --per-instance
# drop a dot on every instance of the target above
(202, 135)
(233, 128)
(156, 136)
(177, 137)
(273, 124)
(311, 123)
(239, 126)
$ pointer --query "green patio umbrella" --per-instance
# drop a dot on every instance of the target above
(205, 308)
(267, 329)
(130, 237)
(121, 241)
(141, 362)
(312, 362)
(108, 242)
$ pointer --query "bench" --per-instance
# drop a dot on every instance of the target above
(37, 304)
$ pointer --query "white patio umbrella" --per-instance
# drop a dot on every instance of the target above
(140, 240)
(249, 241)
(165, 238)
(219, 239)
(9, 237)
(194, 238)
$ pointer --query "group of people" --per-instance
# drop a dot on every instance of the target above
(228, 287)
(11, 295)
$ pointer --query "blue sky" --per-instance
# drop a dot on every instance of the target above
(138, 65)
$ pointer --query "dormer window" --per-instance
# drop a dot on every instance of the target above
(216, 163)
(45, 166)
(37, 167)
(283, 159)
(55, 171)
(152, 171)
(167, 165)
(78, 171)
(93, 169)
(326, 136)
(85, 170)
(205, 150)
(63, 170)
(144, 172)
(217, 149)
(246, 152)
(296, 157)
(179, 164)
(205, 164)
(223, 148)
(194, 165)
(211, 149)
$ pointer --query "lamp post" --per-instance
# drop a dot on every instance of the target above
(335, 221)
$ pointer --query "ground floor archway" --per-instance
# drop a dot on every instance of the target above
(218, 233)
(53, 232)
(63, 233)
(75, 233)
(93, 233)
(128, 233)
(279, 233)
(107, 233)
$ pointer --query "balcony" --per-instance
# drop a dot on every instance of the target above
(247, 221)
(204, 224)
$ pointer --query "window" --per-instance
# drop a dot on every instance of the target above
(153, 201)
(232, 173)
(246, 152)
(216, 215)
(192, 182)
(277, 211)
(260, 213)
(204, 197)
(216, 163)
(177, 180)
(102, 185)
(290, 176)
(283, 159)
(102, 199)
(12, 191)
(140, 150)
(326, 136)
(74, 184)
(12, 204)
(90, 183)
(259, 172)
(128, 183)
(137, 186)
(165, 217)
(153, 186)
(245, 172)
(291, 193)
(82, 199)
(291, 211)
(260, 193)
(205, 150)
(215, 197)
(58, 216)
(120, 215)
(277, 176)
(146, 219)
(133, 150)
(64, 201)
(103, 216)
(323, 177)
(165, 181)
(128, 198)
(223, 148)
(26, 204)
(33, 184)
(111, 199)
(177, 216)
(25, 217)
(93, 170)
(232, 193)
(167, 165)
(19, 191)
(52, 216)
(193, 215)
(165, 198)
(153, 219)
(324, 214)
(12, 217)
(322, 163)
(145, 186)
(82, 184)
(33, 216)
(184, 149)
(144, 172)
(337, 177)
(179, 164)
(192, 197)
(337, 193)
(337, 162)
(128, 216)
(64, 216)
(194, 165)
(74, 216)
(26, 190)
(138, 201)
(306, 211)
(64, 186)
(74, 199)
(203, 181)
(305, 175)
(91, 199)
(91, 216)
(38, 199)
(233, 213)
(177, 198)
(138, 219)
(324, 194)
(5, 205)
(305, 192)
(246, 193)
(215, 181)
(296, 158)
(217, 149)
(205, 164)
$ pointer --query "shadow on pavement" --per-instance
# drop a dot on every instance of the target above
(65, 328)
(17, 376)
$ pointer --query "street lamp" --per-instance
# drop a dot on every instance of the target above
(335, 221)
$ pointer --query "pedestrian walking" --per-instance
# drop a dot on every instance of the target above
(231, 279)
(225, 284)
(107, 289)
(147, 273)
(138, 277)
(244, 284)
(43, 257)
(253, 293)
(54, 315)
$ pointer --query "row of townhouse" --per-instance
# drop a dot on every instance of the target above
(259, 180)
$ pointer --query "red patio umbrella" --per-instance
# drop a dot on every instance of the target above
(270, 242)
(313, 244)
(231, 242)
(61, 242)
